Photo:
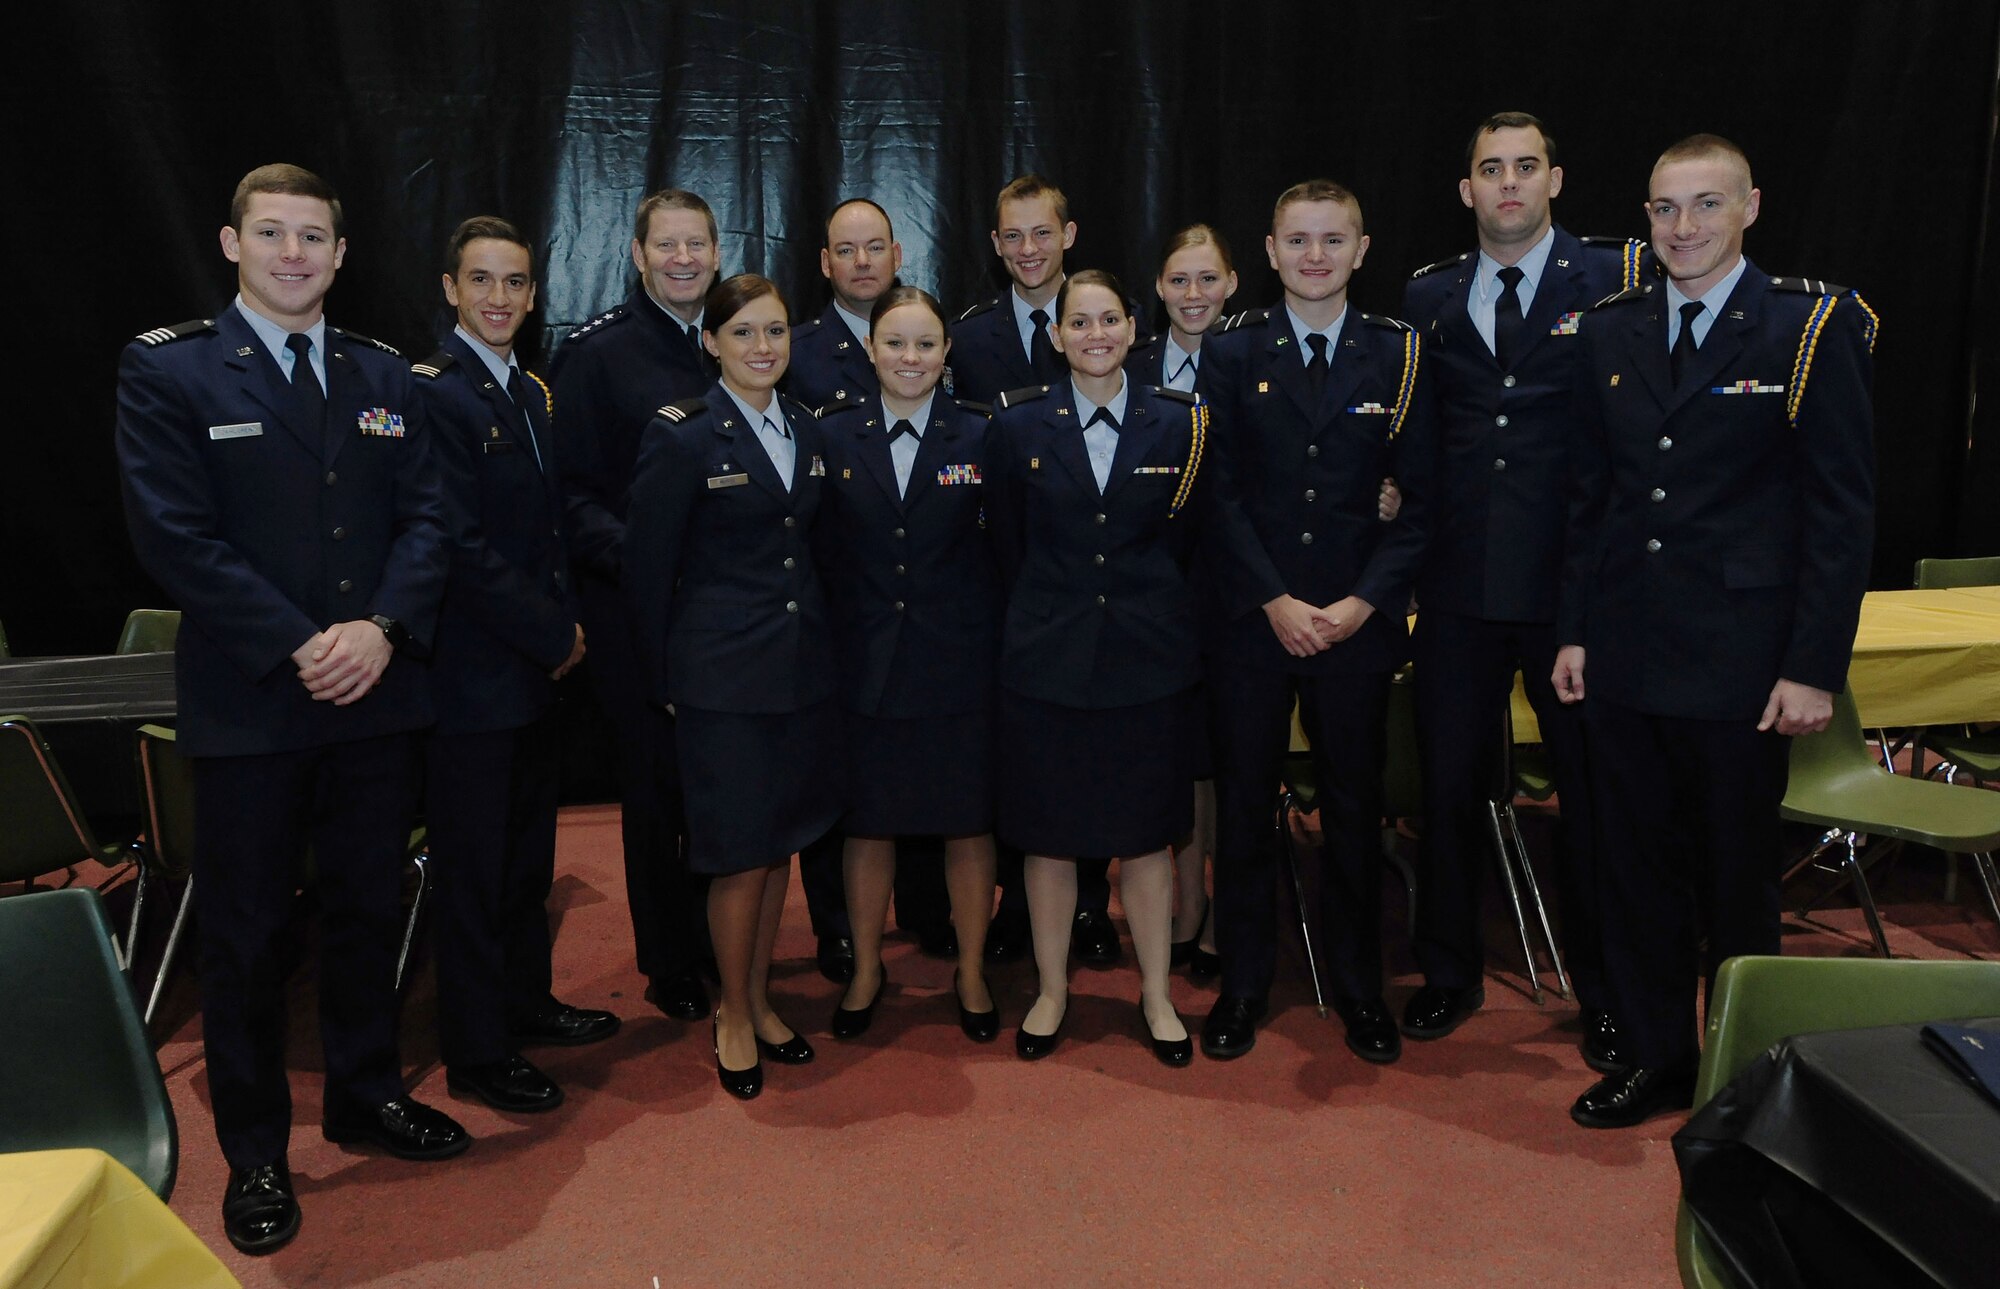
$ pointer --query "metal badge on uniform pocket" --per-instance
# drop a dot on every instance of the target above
(241, 430)
(380, 422)
(818, 470)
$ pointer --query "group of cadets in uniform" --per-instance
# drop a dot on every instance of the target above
(1003, 599)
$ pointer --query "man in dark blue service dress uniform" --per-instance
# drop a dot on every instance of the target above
(1500, 328)
(506, 632)
(610, 376)
(1722, 514)
(999, 345)
(1315, 402)
(279, 486)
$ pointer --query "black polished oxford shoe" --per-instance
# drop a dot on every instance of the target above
(405, 1127)
(1094, 940)
(835, 958)
(1603, 1048)
(1436, 1010)
(1371, 1035)
(853, 1022)
(1632, 1097)
(510, 1083)
(680, 996)
(561, 1025)
(259, 1212)
(1174, 1052)
(1231, 1027)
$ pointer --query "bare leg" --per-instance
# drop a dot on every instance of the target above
(869, 866)
(1190, 871)
(735, 903)
(1051, 885)
(1146, 888)
(770, 912)
(968, 875)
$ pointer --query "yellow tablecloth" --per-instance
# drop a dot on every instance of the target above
(79, 1219)
(1928, 657)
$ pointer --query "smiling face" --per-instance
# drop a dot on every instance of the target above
(1194, 285)
(1698, 209)
(1031, 243)
(1315, 246)
(677, 260)
(1510, 187)
(909, 346)
(1094, 332)
(860, 259)
(753, 346)
(285, 256)
(494, 291)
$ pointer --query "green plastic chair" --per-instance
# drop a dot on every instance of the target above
(166, 788)
(1836, 784)
(75, 1060)
(1759, 1001)
(42, 828)
(1944, 574)
(150, 631)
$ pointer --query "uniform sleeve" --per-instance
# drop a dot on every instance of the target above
(1245, 577)
(500, 596)
(1391, 570)
(1587, 494)
(590, 495)
(1835, 439)
(170, 508)
(419, 560)
(665, 490)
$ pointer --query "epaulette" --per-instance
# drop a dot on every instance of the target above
(1808, 285)
(980, 308)
(1384, 320)
(179, 331)
(1026, 394)
(1247, 318)
(1635, 292)
(984, 409)
(1173, 395)
(601, 321)
(366, 340)
(434, 366)
(1631, 253)
(678, 412)
(842, 401)
(1448, 262)
(805, 325)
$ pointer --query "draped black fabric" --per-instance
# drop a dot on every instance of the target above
(128, 123)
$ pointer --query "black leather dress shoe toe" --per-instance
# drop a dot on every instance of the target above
(510, 1083)
(938, 940)
(680, 996)
(1094, 940)
(1231, 1027)
(744, 1085)
(1436, 1010)
(1371, 1035)
(836, 958)
(259, 1212)
(561, 1025)
(1006, 939)
(1603, 1047)
(1175, 1052)
(405, 1127)
(793, 1051)
(1623, 1100)
(980, 1027)
(1033, 1047)
(853, 1022)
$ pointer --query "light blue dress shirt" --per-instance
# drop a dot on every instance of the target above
(1486, 284)
(1024, 324)
(1711, 304)
(773, 433)
(1332, 333)
(903, 448)
(500, 370)
(274, 337)
(1179, 367)
(1100, 440)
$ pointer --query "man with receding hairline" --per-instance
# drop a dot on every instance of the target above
(1721, 517)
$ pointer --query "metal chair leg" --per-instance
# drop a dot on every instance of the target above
(1982, 864)
(1535, 894)
(130, 950)
(173, 947)
(1513, 897)
(1866, 897)
(423, 862)
(1285, 803)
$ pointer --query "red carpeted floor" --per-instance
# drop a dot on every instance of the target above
(914, 1157)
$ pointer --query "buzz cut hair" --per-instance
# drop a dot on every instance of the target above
(287, 180)
(1315, 190)
(1706, 147)
(670, 199)
(1027, 188)
(1510, 121)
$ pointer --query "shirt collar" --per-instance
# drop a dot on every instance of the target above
(1531, 265)
(1332, 333)
(1084, 407)
(1022, 308)
(918, 422)
(274, 335)
(669, 314)
(752, 415)
(500, 367)
(1712, 299)
(855, 322)
(1175, 356)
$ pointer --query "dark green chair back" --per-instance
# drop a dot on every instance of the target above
(1942, 574)
(166, 782)
(42, 829)
(75, 1061)
(150, 631)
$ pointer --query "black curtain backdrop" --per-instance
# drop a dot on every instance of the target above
(1869, 125)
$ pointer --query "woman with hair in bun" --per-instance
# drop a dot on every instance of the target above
(732, 625)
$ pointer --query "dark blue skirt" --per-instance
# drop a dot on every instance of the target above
(920, 775)
(1111, 781)
(757, 787)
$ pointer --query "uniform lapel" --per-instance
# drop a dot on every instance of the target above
(1455, 318)
(1287, 366)
(346, 397)
(1648, 346)
(1067, 440)
(749, 448)
(934, 451)
(261, 379)
(1136, 439)
(1562, 282)
(872, 442)
(1345, 367)
(1724, 342)
(498, 406)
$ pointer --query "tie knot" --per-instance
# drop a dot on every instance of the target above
(1101, 414)
(1186, 363)
(1040, 317)
(300, 344)
(1690, 312)
(900, 428)
(1317, 343)
(1510, 277)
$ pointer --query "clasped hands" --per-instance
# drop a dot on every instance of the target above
(1306, 629)
(1792, 709)
(342, 663)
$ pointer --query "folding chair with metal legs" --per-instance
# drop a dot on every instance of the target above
(1288, 800)
(1500, 807)
(1849, 863)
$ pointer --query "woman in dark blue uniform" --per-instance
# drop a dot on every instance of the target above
(1094, 499)
(915, 598)
(1197, 277)
(732, 627)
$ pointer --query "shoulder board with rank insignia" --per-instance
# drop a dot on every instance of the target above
(1247, 318)
(1383, 320)
(678, 412)
(1808, 285)
(841, 402)
(983, 409)
(601, 321)
(1172, 395)
(1630, 250)
(179, 331)
(1448, 262)
(366, 340)
(434, 366)
(980, 308)
(1027, 394)
(1637, 292)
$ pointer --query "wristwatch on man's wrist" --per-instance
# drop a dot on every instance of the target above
(394, 630)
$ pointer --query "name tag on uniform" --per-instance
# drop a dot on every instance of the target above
(1567, 324)
(728, 480)
(245, 430)
(952, 474)
(497, 445)
(1156, 469)
(380, 422)
(1368, 409)
(1747, 387)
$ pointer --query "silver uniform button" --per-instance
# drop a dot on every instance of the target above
(899, 606)
(1097, 559)
(1653, 545)
(791, 606)
(1100, 599)
(790, 522)
(1312, 449)
(900, 570)
(1665, 443)
(1507, 381)
(339, 534)
(1659, 494)
(790, 562)
(1500, 421)
(1099, 517)
(1305, 539)
(1312, 494)
(1499, 464)
(346, 584)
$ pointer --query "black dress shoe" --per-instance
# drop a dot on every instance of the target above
(1176, 1052)
(1033, 1047)
(510, 1083)
(561, 1025)
(939, 940)
(836, 958)
(1436, 1010)
(1094, 940)
(1603, 1048)
(793, 1051)
(1007, 940)
(1371, 1035)
(853, 1022)
(680, 996)
(405, 1127)
(1201, 964)
(1231, 1027)
(1622, 1100)
(259, 1212)
(741, 1084)
(980, 1027)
